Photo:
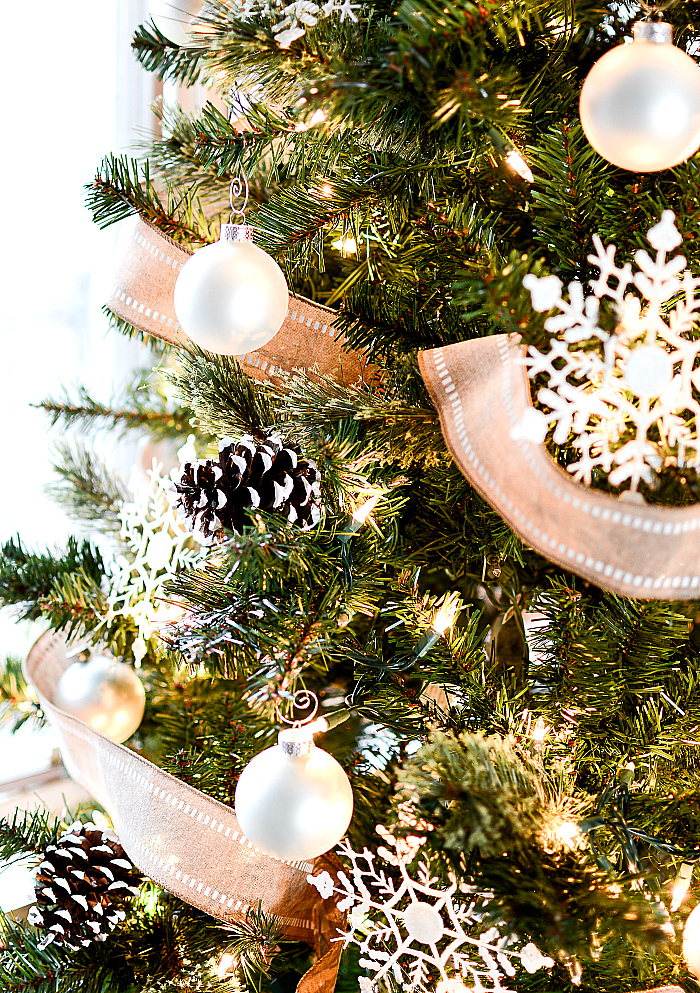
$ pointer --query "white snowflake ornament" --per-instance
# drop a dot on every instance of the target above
(423, 936)
(158, 546)
(629, 399)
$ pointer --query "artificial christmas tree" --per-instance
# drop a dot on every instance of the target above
(520, 739)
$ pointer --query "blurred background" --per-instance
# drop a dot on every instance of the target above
(79, 95)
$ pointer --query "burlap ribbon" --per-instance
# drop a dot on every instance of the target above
(481, 391)
(148, 264)
(187, 842)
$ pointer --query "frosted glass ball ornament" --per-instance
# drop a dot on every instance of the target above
(173, 19)
(231, 297)
(104, 693)
(691, 942)
(294, 800)
(640, 103)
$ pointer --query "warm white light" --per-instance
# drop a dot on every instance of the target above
(346, 244)
(681, 885)
(318, 117)
(517, 163)
(362, 513)
(446, 614)
(540, 731)
(568, 833)
(326, 190)
(226, 964)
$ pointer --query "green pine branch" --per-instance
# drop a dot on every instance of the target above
(27, 578)
(142, 406)
(86, 489)
(122, 188)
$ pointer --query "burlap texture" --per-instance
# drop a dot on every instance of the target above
(480, 389)
(187, 842)
(147, 266)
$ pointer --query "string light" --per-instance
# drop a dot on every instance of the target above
(517, 163)
(540, 731)
(681, 885)
(358, 518)
(226, 965)
(318, 117)
(443, 620)
(511, 155)
(346, 244)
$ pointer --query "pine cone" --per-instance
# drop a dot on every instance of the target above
(80, 884)
(211, 495)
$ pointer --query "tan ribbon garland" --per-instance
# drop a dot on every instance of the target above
(148, 264)
(185, 841)
(481, 391)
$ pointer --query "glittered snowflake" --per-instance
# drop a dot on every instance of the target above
(416, 931)
(294, 18)
(158, 546)
(631, 396)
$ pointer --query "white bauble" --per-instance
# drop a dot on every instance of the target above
(106, 694)
(640, 103)
(294, 806)
(173, 19)
(691, 942)
(231, 297)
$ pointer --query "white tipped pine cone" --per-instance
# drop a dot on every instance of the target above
(81, 883)
(215, 494)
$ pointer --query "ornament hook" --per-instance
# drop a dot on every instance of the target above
(301, 700)
(238, 185)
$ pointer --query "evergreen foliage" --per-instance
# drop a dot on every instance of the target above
(376, 150)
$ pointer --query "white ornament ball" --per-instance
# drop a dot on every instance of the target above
(691, 942)
(294, 806)
(106, 694)
(640, 103)
(231, 297)
(173, 19)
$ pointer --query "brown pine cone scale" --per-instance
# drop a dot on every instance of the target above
(80, 886)
(212, 495)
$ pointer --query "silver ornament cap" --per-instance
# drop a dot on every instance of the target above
(236, 232)
(656, 32)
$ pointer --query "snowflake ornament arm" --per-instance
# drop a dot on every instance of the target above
(632, 393)
(416, 931)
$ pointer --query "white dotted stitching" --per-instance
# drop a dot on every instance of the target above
(585, 507)
(138, 843)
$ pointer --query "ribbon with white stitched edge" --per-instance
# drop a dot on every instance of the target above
(187, 842)
(481, 392)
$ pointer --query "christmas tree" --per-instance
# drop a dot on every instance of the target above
(445, 512)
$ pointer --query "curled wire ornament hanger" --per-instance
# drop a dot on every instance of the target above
(301, 700)
(236, 191)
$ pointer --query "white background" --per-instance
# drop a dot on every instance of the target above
(73, 94)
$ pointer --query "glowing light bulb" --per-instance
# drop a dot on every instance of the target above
(446, 614)
(362, 513)
(225, 965)
(681, 885)
(540, 731)
(517, 163)
(568, 833)
(346, 244)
